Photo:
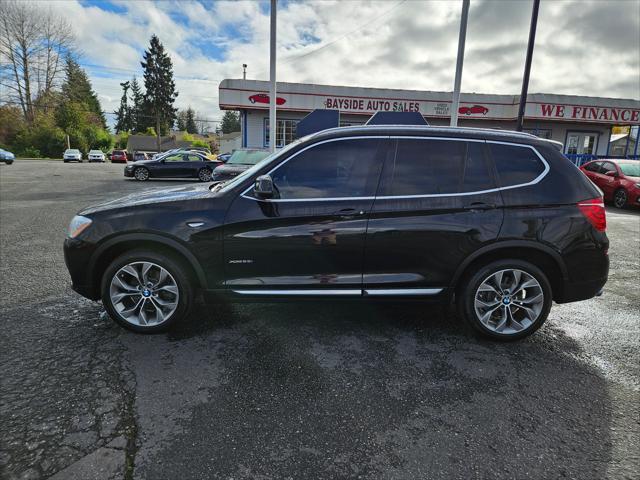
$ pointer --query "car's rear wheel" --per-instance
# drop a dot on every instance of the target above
(620, 198)
(204, 174)
(506, 299)
(146, 292)
(141, 174)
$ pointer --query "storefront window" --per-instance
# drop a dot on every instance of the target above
(581, 143)
(539, 132)
(285, 132)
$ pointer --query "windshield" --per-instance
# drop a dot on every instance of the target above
(631, 169)
(72, 150)
(247, 157)
(226, 186)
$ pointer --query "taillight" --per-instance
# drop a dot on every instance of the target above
(593, 210)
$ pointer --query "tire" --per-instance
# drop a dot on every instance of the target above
(173, 307)
(509, 321)
(65, 161)
(204, 174)
(620, 198)
(141, 174)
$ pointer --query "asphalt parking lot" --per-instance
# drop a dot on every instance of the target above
(299, 390)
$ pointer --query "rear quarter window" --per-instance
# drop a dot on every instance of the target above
(515, 165)
(437, 167)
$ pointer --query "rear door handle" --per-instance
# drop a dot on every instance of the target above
(480, 206)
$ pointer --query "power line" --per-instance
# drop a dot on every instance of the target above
(130, 70)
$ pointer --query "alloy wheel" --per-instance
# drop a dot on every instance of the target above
(144, 293)
(509, 301)
(204, 175)
(141, 174)
(620, 198)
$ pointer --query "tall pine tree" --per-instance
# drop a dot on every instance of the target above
(77, 89)
(137, 100)
(160, 89)
(190, 121)
(123, 114)
(230, 122)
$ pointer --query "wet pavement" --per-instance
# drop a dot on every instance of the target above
(299, 390)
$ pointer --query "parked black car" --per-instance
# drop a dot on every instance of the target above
(176, 165)
(501, 223)
(239, 161)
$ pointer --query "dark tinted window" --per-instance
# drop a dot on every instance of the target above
(607, 167)
(428, 167)
(345, 168)
(515, 165)
(593, 167)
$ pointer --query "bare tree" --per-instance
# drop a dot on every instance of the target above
(32, 44)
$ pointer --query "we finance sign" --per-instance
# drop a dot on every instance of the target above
(586, 113)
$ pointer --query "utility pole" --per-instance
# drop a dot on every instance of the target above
(527, 64)
(455, 103)
(272, 79)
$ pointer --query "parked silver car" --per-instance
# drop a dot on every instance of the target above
(95, 156)
(72, 155)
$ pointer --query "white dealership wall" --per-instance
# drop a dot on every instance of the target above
(559, 115)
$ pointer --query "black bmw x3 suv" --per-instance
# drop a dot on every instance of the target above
(501, 223)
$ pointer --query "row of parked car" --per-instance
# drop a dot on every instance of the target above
(194, 164)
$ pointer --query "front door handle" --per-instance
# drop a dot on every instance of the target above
(480, 206)
(349, 212)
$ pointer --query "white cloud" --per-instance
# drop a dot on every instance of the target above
(582, 48)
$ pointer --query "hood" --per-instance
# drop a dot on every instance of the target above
(225, 172)
(140, 162)
(633, 179)
(153, 196)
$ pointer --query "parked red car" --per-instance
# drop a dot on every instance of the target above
(618, 179)
(474, 109)
(119, 156)
(264, 98)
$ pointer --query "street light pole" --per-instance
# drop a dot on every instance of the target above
(527, 64)
(461, 40)
(272, 79)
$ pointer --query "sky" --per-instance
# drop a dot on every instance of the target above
(582, 47)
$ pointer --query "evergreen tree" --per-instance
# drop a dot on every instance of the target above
(77, 89)
(181, 120)
(160, 88)
(123, 114)
(137, 100)
(190, 121)
(230, 122)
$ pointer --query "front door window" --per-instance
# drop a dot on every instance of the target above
(581, 143)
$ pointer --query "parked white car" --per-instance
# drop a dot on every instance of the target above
(95, 156)
(72, 155)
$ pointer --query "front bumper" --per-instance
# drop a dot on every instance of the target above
(77, 256)
(128, 172)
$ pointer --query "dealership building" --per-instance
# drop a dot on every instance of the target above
(583, 124)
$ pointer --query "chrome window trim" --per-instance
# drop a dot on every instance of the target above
(400, 197)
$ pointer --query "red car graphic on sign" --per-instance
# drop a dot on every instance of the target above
(264, 98)
(472, 110)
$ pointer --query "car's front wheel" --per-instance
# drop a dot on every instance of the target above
(146, 292)
(141, 174)
(204, 174)
(506, 299)
(620, 198)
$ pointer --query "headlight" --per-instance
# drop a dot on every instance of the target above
(78, 225)
(637, 185)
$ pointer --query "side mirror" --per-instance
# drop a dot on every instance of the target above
(263, 187)
(611, 174)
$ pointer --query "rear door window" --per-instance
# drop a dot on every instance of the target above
(593, 167)
(436, 167)
(515, 165)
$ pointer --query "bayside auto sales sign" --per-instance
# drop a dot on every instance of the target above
(253, 94)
